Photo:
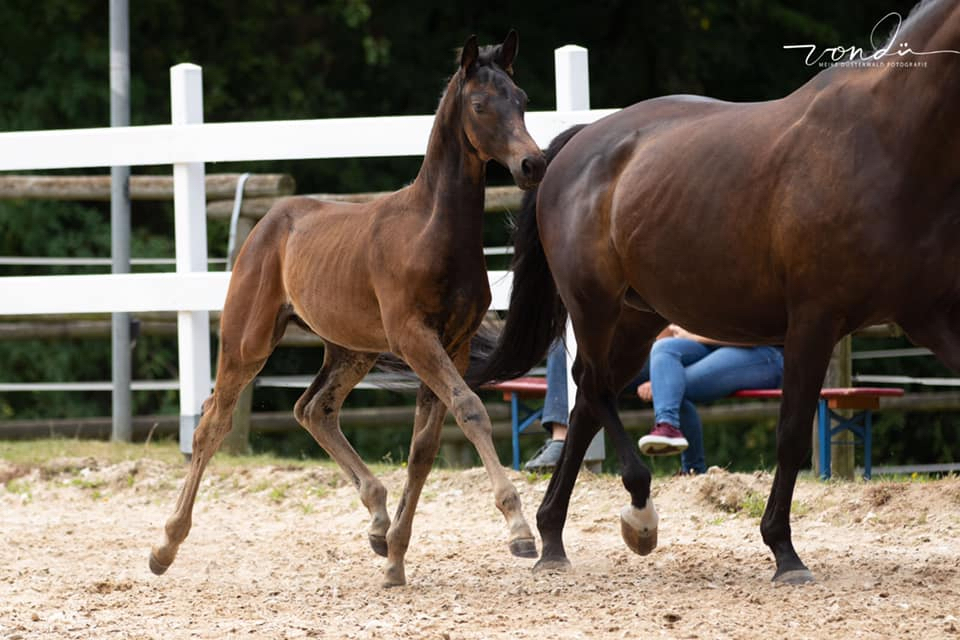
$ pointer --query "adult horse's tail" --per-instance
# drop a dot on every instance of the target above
(536, 316)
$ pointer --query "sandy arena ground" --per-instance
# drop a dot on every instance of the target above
(282, 553)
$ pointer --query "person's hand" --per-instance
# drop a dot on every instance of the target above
(645, 392)
(679, 332)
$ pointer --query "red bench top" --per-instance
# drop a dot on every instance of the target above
(537, 386)
(527, 385)
(846, 392)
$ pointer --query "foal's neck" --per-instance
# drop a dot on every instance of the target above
(452, 177)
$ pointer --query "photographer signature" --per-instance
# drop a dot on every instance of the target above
(854, 53)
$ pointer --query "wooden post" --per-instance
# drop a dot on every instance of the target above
(839, 374)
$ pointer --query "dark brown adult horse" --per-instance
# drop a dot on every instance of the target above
(404, 274)
(791, 222)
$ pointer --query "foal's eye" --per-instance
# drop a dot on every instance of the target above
(478, 105)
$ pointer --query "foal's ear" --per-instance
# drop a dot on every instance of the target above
(469, 54)
(508, 51)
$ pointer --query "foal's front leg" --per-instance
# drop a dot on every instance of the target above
(424, 445)
(422, 350)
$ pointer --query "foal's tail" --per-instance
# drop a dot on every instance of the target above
(536, 316)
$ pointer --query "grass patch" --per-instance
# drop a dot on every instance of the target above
(279, 493)
(21, 488)
(37, 452)
(83, 483)
(40, 451)
(753, 504)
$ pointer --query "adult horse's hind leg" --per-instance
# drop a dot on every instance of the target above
(424, 444)
(634, 333)
(422, 350)
(552, 513)
(318, 410)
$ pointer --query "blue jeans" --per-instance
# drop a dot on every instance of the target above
(684, 372)
(555, 408)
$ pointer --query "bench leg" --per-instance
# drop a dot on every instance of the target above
(861, 425)
(867, 443)
(823, 438)
(515, 429)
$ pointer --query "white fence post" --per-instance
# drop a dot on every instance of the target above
(190, 221)
(573, 94)
(573, 78)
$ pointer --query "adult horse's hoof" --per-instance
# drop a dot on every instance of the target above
(157, 567)
(378, 544)
(638, 527)
(795, 576)
(523, 548)
(551, 564)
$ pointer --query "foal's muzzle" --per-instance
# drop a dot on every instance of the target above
(530, 171)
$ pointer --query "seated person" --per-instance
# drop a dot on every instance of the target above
(555, 414)
(685, 369)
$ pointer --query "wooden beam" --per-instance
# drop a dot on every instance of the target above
(375, 417)
(497, 199)
(220, 186)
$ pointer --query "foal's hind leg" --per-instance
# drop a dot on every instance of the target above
(422, 350)
(253, 321)
(318, 410)
(424, 445)
(232, 376)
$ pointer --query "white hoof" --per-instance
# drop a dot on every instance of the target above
(639, 527)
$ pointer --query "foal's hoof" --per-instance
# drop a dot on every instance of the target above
(523, 548)
(638, 527)
(157, 567)
(794, 576)
(394, 577)
(378, 544)
(551, 564)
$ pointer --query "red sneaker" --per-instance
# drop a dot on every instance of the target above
(664, 440)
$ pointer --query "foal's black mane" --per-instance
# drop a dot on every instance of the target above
(487, 57)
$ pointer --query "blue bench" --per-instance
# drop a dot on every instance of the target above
(863, 400)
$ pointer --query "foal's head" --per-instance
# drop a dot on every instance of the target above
(492, 108)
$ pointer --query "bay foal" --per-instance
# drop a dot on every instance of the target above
(402, 274)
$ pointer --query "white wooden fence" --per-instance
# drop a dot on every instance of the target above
(186, 144)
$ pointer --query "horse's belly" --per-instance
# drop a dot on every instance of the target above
(349, 321)
(706, 300)
(761, 323)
